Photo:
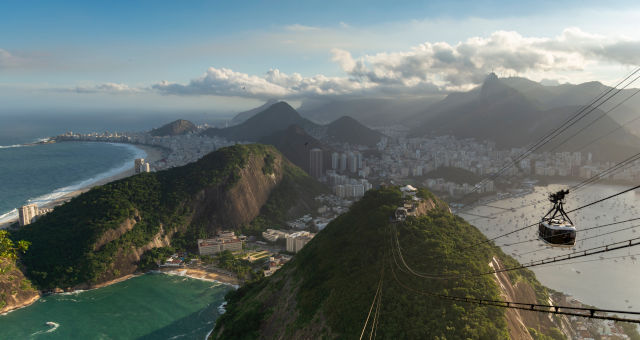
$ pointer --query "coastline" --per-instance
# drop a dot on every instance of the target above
(22, 305)
(196, 274)
(153, 154)
(202, 274)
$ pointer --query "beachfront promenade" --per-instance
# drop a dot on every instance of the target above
(177, 150)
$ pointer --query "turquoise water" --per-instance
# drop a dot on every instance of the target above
(152, 306)
(41, 173)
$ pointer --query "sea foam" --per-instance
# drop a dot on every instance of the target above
(43, 200)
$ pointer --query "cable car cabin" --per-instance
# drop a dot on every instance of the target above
(557, 230)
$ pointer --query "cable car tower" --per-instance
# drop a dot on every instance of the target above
(557, 230)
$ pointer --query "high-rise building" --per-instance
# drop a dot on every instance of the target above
(140, 166)
(343, 162)
(297, 240)
(352, 162)
(27, 214)
(315, 163)
(335, 160)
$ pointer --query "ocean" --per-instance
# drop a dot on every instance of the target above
(608, 280)
(42, 173)
(151, 306)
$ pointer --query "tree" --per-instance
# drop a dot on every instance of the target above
(10, 250)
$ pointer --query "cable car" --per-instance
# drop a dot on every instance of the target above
(556, 228)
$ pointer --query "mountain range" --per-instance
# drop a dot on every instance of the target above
(513, 112)
(280, 116)
(518, 112)
(375, 112)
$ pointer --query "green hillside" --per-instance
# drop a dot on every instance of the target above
(327, 289)
(175, 128)
(100, 235)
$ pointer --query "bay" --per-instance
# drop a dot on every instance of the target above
(150, 306)
(607, 280)
(41, 173)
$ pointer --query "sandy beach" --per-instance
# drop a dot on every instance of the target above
(201, 274)
(153, 154)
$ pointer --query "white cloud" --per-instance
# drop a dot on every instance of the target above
(427, 68)
(301, 28)
(225, 82)
(452, 67)
(109, 88)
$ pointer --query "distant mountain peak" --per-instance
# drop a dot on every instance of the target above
(493, 86)
(177, 127)
(348, 129)
(243, 116)
(279, 110)
(276, 117)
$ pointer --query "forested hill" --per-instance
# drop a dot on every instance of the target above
(327, 290)
(175, 128)
(101, 234)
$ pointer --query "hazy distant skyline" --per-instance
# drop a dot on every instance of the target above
(224, 56)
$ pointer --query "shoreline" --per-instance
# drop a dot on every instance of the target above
(153, 154)
(195, 274)
(201, 274)
(24, 304)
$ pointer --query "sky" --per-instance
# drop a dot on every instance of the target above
(226, 56)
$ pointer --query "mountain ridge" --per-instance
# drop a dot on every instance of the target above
(241, 117)
(112, 226)
(327, 289)
(280, 116)
(517, 116)
(175, 128)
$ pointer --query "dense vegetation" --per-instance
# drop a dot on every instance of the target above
(65, 249)
(554, 334)
(152, 258)
(9, 249)
(13, 285)
(333, 280)
(226, 260)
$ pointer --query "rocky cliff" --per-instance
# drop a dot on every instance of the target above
(15, 289)
(101, 235)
